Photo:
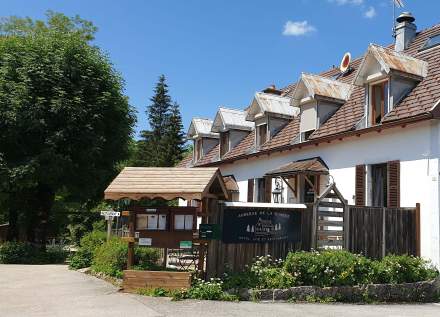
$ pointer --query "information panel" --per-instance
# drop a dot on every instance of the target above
(260, 225)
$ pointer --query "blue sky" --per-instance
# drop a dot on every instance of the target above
(221, 52)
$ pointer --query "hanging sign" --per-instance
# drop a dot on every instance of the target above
(260, 225)
(110, 213)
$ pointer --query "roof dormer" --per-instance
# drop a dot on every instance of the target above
(318, 98)
(204, 139)
(232, 126)
(270, 113)
(388, 76)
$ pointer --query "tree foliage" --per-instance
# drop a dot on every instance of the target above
(65, 121)
(163, 144)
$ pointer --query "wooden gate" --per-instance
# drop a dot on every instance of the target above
(330, 215)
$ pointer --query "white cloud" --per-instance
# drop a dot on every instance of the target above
(370, 13)
(297, 28)
(343, 2)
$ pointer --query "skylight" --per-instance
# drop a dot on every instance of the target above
(432, 41)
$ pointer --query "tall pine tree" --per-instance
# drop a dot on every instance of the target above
(162, 145)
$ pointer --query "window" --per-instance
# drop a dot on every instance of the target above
(379, 190)
(151, 222)
(260, 190)
(431, 42)
(308, 183)
(262, 134)
(199, 151)
(224, 143)
(379, 102)
(183, 222)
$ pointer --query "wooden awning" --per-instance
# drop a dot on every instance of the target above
(168, 183)
(231, 184)
(313, 166)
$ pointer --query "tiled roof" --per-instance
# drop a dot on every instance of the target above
(186, 162)
(314, 165)
(419, 101)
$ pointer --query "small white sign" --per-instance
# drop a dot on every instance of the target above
(136, 234)
(110, 213)
(145, 241)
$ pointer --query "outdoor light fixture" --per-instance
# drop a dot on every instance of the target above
(277, 192)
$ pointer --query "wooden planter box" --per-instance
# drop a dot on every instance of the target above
(134, 280)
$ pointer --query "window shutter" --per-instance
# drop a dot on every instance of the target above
(360, 185)
(393, 192)
(268, 189)
(250, 193)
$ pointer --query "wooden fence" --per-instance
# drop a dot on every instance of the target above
(235, 257)
(377, 231)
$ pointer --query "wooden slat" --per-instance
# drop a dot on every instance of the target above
(325, 213)
(331, 204)
(330, 233)
(150, 279)
(330, 223)
(360, 185)
(330, 243)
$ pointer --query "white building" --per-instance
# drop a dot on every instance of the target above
(372, 125)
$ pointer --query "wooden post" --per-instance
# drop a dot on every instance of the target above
(165, 257)
(346, 227)
(131, 227)
(314, 225)
(418, 229)
(384, 244)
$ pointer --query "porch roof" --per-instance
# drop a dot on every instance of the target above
(231, 184)
(308, 166)
(168, 183)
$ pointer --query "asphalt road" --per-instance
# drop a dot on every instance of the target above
(53, 290)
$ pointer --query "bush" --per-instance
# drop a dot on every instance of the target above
(208, 290)
(329, 268)
(398, 269)
(111, 258)
(88, 245)
(18, 253)
(24, 253)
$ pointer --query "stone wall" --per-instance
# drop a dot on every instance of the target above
(427, 291)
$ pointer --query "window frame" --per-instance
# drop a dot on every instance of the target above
(372, 100)
(224, 143)
(147, 215)
(258, 134)
(184, 222)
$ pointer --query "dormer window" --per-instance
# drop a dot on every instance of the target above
(261, 134)
(204, 140)
(224, 143)
(379, 103)
(270, 113)
(318, 99)
(232, 126)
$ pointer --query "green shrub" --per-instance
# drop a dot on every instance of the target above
(88, 245)
(24, 253)
(397, 269)
(18, 253)
(329, 268)
(111, 257)
(155, 292)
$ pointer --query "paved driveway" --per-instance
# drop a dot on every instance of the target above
(53, 290)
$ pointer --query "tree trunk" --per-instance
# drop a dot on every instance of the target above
(45, 199)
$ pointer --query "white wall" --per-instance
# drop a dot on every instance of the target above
(417, 148)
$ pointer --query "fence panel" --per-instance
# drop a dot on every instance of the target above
(235, 256)
(377, 231)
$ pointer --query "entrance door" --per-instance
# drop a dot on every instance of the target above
(307, 188)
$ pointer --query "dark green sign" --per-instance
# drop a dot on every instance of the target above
(261, 225)
(209, 231)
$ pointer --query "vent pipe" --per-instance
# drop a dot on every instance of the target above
(405, 31)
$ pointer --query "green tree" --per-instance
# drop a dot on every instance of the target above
(65, 121)
(162, 145)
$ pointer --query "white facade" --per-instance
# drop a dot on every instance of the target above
(415, 146)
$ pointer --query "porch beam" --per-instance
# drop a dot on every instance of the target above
(288, 185)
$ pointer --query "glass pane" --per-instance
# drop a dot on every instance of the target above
(141, 222)
(152, 222)
(377, 95)
(435, 40)
(179, 222)
(188, 222)
(162, 222)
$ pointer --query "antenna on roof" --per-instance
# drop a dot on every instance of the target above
(398, 3)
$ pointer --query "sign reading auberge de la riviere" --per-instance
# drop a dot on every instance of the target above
(260, 225)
